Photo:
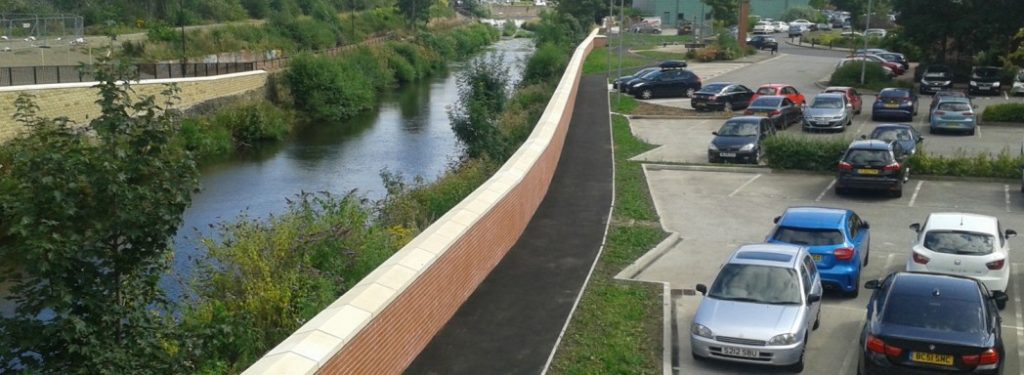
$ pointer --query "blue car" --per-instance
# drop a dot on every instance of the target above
(838, 240)
(953, 114)
(894, 103)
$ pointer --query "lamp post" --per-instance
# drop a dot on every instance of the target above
(181, 23)
(864, 61)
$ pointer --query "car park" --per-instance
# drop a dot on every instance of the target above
(953, 114)
(907, 136)
(936, 78)
(778, 109)
(851, 94)
(780, 89)
(722, 96)
(894, 102)
(762, 42)
(740, 140)
(1018, 83)
(963, 244)
(941, 96)
(921, 323)
(665, 83)
(622, 80)
(828, 111)
(984, 80)
(873, 164)
(894, 65)
(837, 239)
(760, 309)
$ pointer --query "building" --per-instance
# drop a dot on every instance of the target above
(695, 10)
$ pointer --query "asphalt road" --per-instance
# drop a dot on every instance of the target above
(716, 211)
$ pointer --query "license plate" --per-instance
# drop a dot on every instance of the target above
(890, 105)
(932, 358)
(817, 258)
(740, 352)
(867, 171)
(728, 154)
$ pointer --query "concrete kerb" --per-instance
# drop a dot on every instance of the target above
(841, 49)
(634, 269)
(707, 168)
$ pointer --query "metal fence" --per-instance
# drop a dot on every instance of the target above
(34, 75)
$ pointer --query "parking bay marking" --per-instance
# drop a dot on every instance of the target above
(1020, 318)
(745, 184)
(823, 192)
(916, 190)
(1006, 190)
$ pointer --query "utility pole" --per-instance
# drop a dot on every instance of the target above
(622, 42)
(864, 62)
(181, 23)
(741, 26)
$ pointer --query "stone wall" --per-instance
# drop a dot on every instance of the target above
(77, 101)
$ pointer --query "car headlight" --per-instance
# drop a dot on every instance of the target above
(1018, 84)
(836, 118)
(995, 84)
(783, 339)
(747, 147)
(945, 83)
(974, 83)
(712, 147)
(701, 330)
(640, 84)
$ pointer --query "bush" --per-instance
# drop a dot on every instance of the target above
(1008, 112)
(811, 154)
(547, 63)
(1002, 165)
(205, 141)
(252, 123)
(328, 89)
(849, 75)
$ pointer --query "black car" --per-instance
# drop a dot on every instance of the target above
(622, 80)
(778, 109)
(739, 140)
(920, 323)
(873, 164)
(762, 42)
(936, 78)
(721, 96)
(984, 80)
(672, 82)
(907, 136)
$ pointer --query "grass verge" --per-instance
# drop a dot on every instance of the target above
(661, 55)
(599, 61)
(617, 327)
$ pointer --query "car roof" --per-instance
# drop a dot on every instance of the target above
(813, 217)
(894, 89)
(746, 118)
(784, 255)
(830, 95)
(776, 85)
(963, 221)
(932, 284)
(869, 144)
(893, 126)
(838, 88)
(944, 99)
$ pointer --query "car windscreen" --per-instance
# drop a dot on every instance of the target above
(891, 134)
(766, 103)
(986, 72)
(954, 107)
(959, 242)
(713, 88)
(808, 236)
(738, 129)
(827, 102)
(934, 313)
(1020, 76)
(757, 283)
(867, 157)
(651, 74)
(766, 91)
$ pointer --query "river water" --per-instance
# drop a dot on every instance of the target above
(409, 134)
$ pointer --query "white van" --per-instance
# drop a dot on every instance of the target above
(540, 3)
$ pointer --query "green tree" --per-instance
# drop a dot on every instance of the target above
(483, 93)
(981, 26)
(414, 11)
(726, 10)
(588, 12)
(85, 218)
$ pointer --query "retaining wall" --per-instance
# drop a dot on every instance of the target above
(382, 324)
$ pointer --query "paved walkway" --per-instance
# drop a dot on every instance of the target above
(510, 324)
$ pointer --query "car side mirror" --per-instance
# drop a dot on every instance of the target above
(865, 225)
(813, 298)
(714, 133)
(920, 139)
(776, 219)
(915, 227)
(1011, 233)
(1000, 297)
(873, 284)
(703, 289)
(863, 136)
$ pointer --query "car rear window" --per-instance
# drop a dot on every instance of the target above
(863, 156)
(766, 91)
(891, 134)
(827, 102)
(809, 236)
(954, 106)
(766, 102)
(713, 87)
(934, 313)
(959, 242)
(893, 94)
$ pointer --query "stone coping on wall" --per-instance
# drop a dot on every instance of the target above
(311, 346)
(73, 85)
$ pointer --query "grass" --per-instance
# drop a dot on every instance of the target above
(661, 55)
(647, 41)
(617, 327)
(600, 61)
(624, 104)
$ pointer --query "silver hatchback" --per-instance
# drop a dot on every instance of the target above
(761, 308)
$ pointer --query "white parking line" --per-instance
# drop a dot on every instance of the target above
(1020, 319)
(916, 190)
(888, 263)
(745, 184)
(849, 356)
(827, 188)
(1006, 190)
(977, 131)
(1005, 95)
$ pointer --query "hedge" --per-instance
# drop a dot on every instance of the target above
(811, 154)
(984, 164)
(1008, 112)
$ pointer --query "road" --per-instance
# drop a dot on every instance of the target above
(715, 211)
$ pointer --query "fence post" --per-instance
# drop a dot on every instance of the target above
(35, 75)
(58, 74)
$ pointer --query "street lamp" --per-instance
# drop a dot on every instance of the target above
(864, 61)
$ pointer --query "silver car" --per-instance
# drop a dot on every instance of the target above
(829, 111)
(761, 308)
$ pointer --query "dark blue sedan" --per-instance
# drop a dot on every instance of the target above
(907, 136)
(923, 323)
(895, 103)
(838, 240)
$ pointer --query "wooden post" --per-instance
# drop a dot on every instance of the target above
(741, 26)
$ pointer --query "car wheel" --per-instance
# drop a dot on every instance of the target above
(646, 94)
(729, 107)
(874, 118)
(689, 92)
(867, 255)
(931, 130)
(840, 191)
(856, 289)
(817, 321)
(971, 132)
(1001, 304)
(798, 367)
(898, 193)
(757, 157)
(697, 357)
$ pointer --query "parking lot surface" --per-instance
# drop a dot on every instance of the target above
(714, 212)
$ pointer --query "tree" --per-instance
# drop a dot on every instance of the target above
(981, 26)
(483, 92)
(86, 214)
(724, 10)
(588, 12)
(415, 11)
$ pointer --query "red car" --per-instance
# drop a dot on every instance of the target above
(896, 68)
(851, 95)
(780, 89)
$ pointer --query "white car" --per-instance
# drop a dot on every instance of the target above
(765, 27)
(963, 244)
(805, 24)
(781, 26)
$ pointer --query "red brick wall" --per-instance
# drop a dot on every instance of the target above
(397, 335)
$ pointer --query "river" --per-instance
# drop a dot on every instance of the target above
(409, 134)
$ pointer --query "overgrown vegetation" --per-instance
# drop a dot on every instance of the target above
(725, 48)
(1006, 112)
(803, 153)
(874, 76)
(1002, 165)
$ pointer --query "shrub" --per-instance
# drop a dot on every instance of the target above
(548, 62)
(252, 123)
(811, 154)
(1002, 165)
(849, 74)
(327, 89)
(1008, 112)
(205, 141)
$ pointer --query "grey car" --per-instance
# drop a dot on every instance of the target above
(761, 308)
(828, 111)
